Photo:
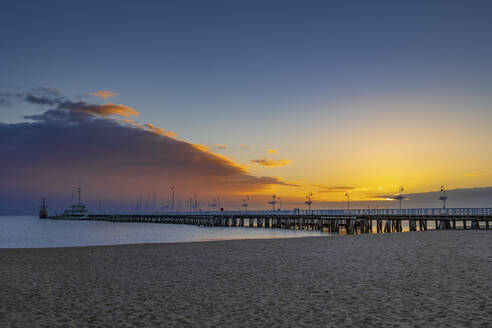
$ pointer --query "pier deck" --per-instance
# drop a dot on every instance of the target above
(349, 221)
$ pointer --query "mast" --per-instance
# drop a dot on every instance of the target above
(43, 211)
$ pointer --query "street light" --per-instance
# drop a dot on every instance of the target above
(399, 197)
(347, 194)
(308, 201)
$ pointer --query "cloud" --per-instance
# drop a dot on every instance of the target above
(104, 94)
(471, 175)
(53, 98)
(5, 99)
(271, 151)
(42, 96)
(101, 110)
(332, 189)
(37, 96)
(159, 131)
(77, 143)
(244, 146)
(217, 147)
(270, 162)
(44, 91)
(461, 197)
(39, 100)
(390, 197)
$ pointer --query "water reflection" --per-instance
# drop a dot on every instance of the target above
(31, 232)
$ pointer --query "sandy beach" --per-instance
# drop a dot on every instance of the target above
(421, 279)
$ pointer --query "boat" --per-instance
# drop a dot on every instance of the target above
(75, 212)
(43, 210)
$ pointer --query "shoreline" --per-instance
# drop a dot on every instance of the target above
(31, 232)
(327, 234)
(178, 242)
(371, 280)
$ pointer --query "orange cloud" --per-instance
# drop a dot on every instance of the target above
(270, 162)
(96, 109)
(271, 151)
(104, 94)
(332, 189)
(159, 131)
(52, 98)
(112, 109)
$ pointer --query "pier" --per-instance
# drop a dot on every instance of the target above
(354, 221)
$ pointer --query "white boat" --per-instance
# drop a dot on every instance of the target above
(74, 212)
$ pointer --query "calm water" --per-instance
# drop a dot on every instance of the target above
(29, 231)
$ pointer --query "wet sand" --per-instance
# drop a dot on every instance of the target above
(419, 279)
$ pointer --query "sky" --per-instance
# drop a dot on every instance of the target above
(245, 99)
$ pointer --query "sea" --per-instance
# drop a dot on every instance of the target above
(31, 232)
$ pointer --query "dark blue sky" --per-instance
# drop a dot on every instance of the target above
(220, 56)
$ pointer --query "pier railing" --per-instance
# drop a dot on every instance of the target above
(413, 212)
(407, 212)
(351, 221)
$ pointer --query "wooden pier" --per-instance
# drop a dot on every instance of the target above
(336, 221)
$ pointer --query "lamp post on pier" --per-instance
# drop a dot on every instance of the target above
(308, 201)
(443, 197)
(399, 197)
(273, 202)
(347, 194)
(172, 187)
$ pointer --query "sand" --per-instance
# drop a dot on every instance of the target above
(418, 279)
